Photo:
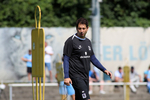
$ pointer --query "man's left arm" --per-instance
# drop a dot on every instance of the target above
(148, 76)
(96, 63)
(51, 53)
(140, 77)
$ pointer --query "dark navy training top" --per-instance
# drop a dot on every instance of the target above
(78, 54)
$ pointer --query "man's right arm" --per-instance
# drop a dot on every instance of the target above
(68, 47)
(66, 66)
(24, 58)
(67, 80)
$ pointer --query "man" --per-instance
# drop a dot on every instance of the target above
(134, 77)
(145, 74)
(93, 77)
(28, 59)
(119, 75)
(48, 54)
(148, 80)
(78, 54)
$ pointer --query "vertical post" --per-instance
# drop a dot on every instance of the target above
(96, 29)
(40, 96)
(37, 88)
(124, 91)
(126, 79)
(10, 92)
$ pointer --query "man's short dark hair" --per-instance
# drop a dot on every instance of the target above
(29, 50)
(132, 67)
(82, 21)
(119, 67)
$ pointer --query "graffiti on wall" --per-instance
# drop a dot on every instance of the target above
(15, 43)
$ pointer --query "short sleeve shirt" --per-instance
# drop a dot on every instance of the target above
(92, 75)
(29, 57)
(79, 51)
(133, 75)
(146, 72)
(118, 74)
(48, 49)
(148, 76)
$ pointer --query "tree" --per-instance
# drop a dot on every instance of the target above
(64, 13)
(125, 13)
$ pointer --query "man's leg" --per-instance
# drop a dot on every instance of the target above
(90, 87)
(81, 87)
(148, 87)
(51, 76)
(101, 87)
(137, 79)
(45, 71)
(132, 86)
(29, 71)
(50, 72)
(29, 76)
(73, 97)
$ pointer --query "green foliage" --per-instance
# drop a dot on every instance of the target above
(56, 13)
(124, 13)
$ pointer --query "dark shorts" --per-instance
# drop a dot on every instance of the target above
(81, 87)
(29, 69)
(145, 80)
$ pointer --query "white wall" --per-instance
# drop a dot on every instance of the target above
(120, 46)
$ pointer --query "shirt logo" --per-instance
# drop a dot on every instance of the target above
(85, 53)
(79, 47)
(83, 94)
(89, 48)
(86, 56)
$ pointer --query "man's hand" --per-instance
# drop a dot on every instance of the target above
(30, 60)
(108, 73)
(67, 81)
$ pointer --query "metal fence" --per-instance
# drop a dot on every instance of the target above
(94, 84)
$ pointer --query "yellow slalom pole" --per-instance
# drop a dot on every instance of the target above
(39, 24)
(38, 53)
(36, 88)
(33, 88)
(44, 83)
(126, 79)
(40, 87)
